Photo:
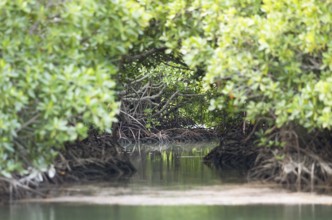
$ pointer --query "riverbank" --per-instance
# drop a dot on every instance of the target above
(230, 194)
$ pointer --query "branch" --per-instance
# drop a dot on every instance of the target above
(26, 124)
(142, 56)
(177, 67)
(191, 95)
(146, 97)
(123, 112)
(139, 79)
(166, 104)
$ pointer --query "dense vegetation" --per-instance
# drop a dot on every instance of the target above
(67, 66)
(56, 75)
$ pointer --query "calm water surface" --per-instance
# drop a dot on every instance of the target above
(102, 212)
(178, 167)
(162, 168)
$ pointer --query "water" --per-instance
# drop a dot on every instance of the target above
(101, 212)
(171, 183)
(178, 167)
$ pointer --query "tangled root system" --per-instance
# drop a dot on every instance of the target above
(304, 164)
(233, 152)
(130, 135)
(95, 158)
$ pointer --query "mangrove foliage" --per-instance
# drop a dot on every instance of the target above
(134, 70)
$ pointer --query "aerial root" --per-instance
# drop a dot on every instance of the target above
(97, 157)
(303, 164)
(131, 135)
(306, 171)
(234, 152)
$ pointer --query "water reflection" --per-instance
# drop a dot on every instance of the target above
(101, 212)
(177, 167)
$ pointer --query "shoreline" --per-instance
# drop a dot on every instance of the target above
(213, 195)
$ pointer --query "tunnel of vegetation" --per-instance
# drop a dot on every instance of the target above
(78, 77)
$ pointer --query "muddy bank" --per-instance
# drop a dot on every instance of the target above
(246, 194)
